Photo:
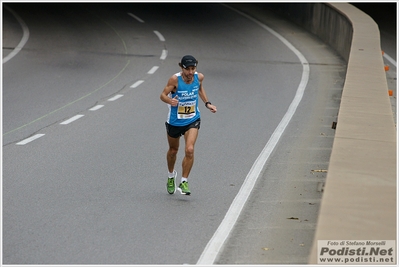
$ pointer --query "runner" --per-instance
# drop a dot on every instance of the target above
(181, 94)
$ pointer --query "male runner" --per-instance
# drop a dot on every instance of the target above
(181, 94)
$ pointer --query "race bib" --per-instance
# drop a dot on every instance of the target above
(186, 110)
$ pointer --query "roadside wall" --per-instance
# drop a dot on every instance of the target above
(359, 199)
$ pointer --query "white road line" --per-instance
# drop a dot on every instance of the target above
(30, 139)
(160, 36)
(153, 70)
(25, 36)
(164, 54)
(217, 241)
(390, 59)
(74, 118)
(136, 84)
(115, 98)
(96, 107)
(137, 18)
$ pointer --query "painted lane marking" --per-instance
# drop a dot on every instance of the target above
(160, 36)
(25, 36)
(96, 107)
(85, 96)
(115, 98)
(164, 54)
(153, 70)
(30, 139)
(137, 18)
(390, 59)
(74, 118)
(69, 104)
(217, 241)
(136, 84)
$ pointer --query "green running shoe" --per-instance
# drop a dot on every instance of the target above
(170, 185)
(183, 188)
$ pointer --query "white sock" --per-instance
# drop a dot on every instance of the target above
(171, 174)
(183, 179)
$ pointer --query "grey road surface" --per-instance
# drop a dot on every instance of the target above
(92, 191)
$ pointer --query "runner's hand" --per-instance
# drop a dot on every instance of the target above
(174, 101)
(212, 108)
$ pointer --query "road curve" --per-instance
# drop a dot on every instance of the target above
(90, 189)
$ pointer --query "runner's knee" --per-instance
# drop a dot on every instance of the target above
(189, 151)
(173, 151)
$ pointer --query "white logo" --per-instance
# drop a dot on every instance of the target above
(187, 94)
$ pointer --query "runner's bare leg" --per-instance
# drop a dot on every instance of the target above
(172, 152)
(190, 138)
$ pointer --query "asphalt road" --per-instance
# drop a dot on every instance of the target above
(92, 191)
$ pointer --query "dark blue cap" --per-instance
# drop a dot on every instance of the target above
(188, 61)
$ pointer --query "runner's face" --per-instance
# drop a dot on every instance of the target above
(189, 72)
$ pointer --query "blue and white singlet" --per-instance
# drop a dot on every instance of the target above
(187, 110)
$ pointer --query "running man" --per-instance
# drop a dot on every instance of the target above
(181, 94)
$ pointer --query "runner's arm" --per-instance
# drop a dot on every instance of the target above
(170, 87)
(203, 95)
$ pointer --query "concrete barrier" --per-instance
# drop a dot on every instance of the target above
(359, 200)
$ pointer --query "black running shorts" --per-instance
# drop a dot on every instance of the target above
(177, 131)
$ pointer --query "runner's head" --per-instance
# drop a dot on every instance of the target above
(188, 61)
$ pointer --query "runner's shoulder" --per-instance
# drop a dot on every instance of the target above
(173, 79)
(200, 76)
